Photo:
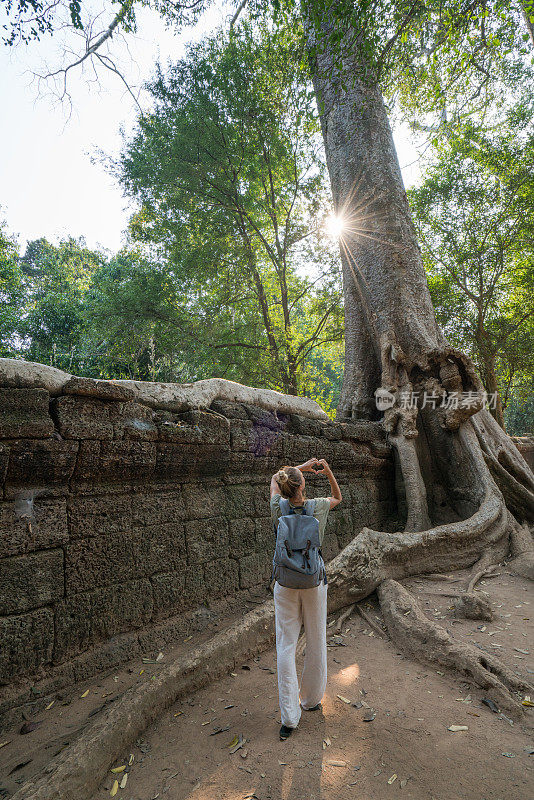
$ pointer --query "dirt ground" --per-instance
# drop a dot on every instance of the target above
(406, 750)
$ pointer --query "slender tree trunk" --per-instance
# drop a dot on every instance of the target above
(488, 364)
(490, 382)
(527, 9)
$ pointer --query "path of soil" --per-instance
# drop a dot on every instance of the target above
(61, 716)
(335, 754)
(178, 759)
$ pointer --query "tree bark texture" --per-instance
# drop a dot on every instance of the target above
(466, 491)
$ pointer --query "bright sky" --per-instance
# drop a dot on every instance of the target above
(50, 183)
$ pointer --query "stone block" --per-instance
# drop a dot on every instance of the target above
(114, 462)
(333, 431)
(239, 501)
(4, 461)
(31, 581)
(89, 617)
(100, 515)
(160, 507)
(264, 440)
(169, 593)
(343, 525)
(262, 497)
(177, 461)
(118, 557)
(330, 547)
(102, 389)
(221, 578)
(24, 414)
(229, 410)
(241, 435)
(207, 428)
(347, 456)
(88, 462)
(178, 591)
(196, 590)
(362, 431)
(134, 421)
(242, 536)
(305, 426)
(83, 418)
(302, 448)
(44, 463)
(99, 561)
(27, 643)
(254, 570)
(240, 466)
(200, 503)
(207, 539)
(48, 518)
(265, 536)
(159, 548)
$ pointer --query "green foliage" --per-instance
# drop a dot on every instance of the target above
(10, 291)
(475, 217)
(231, 189)
(56, 281)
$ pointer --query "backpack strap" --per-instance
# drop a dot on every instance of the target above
(309, 505)
(285, 508)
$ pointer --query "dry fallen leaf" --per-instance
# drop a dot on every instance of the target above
(49, 706)
(344, 699)
(241, 741)
(114, 788)
(131, 759)
(3, 744)
(455, 728)
(326, 743)
(116, 770)
(393, 778)
(85, 693)
(124, 780)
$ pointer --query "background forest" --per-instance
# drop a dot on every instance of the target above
(231, 267)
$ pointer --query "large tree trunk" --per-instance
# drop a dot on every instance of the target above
(468, 493)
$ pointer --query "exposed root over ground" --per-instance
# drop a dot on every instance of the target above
(430, 643)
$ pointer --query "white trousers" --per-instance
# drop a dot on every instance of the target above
(293, 607)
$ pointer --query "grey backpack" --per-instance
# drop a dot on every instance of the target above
(298, 561)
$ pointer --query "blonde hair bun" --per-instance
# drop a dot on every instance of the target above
(289, 479)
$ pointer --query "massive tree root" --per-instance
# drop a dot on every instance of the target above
(447, 459)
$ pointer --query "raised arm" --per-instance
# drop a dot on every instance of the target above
(336, 497)
(275, 489)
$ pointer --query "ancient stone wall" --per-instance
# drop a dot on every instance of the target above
(118, 519)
